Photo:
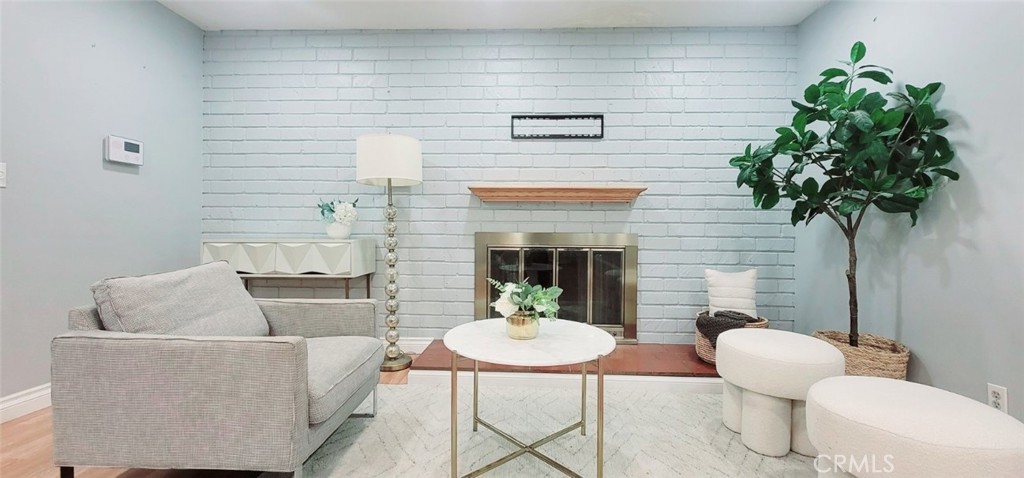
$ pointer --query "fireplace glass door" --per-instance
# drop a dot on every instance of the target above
(591, 279)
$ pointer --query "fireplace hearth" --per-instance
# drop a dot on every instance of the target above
(598, 273)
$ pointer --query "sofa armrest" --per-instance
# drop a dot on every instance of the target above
(160, 401)
(320, 317)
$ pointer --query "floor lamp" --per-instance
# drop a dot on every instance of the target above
(390, 160)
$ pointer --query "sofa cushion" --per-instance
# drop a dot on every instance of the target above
(202, 300)
(338, 366)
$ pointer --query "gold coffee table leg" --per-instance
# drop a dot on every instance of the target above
(600, 417)
(583, 402)
(455, 404)
(476, 392)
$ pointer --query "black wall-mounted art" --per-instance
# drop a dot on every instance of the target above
(557, 126)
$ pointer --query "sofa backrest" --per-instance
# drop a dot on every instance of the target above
(203, 300)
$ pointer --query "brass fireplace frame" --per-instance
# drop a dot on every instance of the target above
(628, 243)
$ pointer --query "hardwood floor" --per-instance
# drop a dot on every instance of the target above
(26, 449)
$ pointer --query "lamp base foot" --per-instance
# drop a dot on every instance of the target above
(401, 362)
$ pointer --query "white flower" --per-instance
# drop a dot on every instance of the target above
(344, 212)
(504, 304)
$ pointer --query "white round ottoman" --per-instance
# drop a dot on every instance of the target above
(867, 427)
(766, 374)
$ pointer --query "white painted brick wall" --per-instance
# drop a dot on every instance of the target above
(283, 109)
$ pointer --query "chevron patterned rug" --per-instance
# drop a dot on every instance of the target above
(647, 434)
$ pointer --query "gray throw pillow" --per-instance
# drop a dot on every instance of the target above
(202, 300)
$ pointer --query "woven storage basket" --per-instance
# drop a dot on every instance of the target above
(874, 357)
(707, 353)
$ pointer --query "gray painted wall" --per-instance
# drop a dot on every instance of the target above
(72, 74)
(951, 288)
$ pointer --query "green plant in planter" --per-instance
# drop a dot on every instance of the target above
(848, 149)
(533, 300)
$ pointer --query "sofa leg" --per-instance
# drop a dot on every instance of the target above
(67, 472)
(278, 474)
(373, 412)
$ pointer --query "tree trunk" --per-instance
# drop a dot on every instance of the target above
(851, 281)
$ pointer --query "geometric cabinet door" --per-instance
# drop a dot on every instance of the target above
(248, 257)
(314, 257)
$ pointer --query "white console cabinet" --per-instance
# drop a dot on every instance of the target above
(296, 259)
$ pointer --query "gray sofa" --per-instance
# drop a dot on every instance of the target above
(253, 401)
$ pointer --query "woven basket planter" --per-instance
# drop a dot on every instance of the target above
(707, 353)
(874, 357)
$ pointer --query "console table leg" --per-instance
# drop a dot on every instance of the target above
(455, 404)
(583, 401)
(369, 277)
(347, 289)
(600, 417)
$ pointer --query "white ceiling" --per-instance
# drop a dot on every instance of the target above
(487, 14)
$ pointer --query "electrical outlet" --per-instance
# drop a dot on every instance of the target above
(3, 175)
(997, 397)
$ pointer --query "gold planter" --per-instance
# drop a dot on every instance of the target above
(522, 326)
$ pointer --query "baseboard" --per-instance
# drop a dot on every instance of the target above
(414, 345)
(24, 402)
(652, 383)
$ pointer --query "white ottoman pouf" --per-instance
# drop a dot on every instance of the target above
(766, 375)
(889, 428)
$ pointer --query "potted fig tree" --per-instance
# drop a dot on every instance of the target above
(847, 150)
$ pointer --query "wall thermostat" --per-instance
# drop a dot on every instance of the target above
(123, 150)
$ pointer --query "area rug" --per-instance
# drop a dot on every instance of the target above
(647, 434)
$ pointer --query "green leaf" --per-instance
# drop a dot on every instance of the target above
(833, 73)
(879, 67)
(849, 206)
(799, 212)
(892, 119)
(947, 173)
(914, 92)
(812, 93)
(809, 188)
(887, 182)
(800, 123)
(739, 162)
(857, 52)
(873, 102)
(897, 203)
(838, 114)
(933, 87)
(878, 154)
(925, 115)
(861, 120)
(855, 98)
(845, 133)
(876, 76)
(802, 107)
(771, 198)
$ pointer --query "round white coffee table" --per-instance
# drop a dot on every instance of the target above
(561, 342)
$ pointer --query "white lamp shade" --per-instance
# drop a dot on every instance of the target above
(380, 157)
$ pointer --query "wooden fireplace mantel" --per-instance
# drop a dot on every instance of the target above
(557, 193)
